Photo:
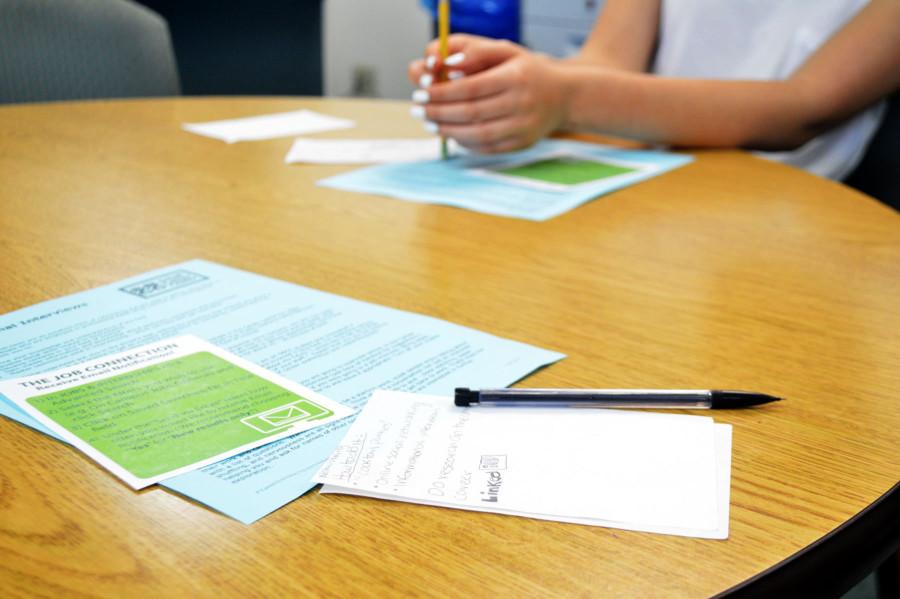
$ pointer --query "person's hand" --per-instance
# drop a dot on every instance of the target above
(500, 97)
(467, 54)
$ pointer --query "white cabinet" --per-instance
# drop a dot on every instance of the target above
(368, 43)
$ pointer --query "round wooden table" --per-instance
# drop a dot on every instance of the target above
(732, 272)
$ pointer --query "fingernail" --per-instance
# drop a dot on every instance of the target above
(454, 75)
(420, 96)
(431, 127)
(455, 59)
(417, 112)
(426, 79)
(429, 62)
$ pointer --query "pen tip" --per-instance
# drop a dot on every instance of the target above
(740, 399)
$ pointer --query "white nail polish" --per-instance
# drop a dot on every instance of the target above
(417, 112)
(429, 62)
(454, 75)
(420, 96)
(431, 127)
(426, 79)
(455, 59)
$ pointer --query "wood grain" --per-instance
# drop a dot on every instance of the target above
(730, 272)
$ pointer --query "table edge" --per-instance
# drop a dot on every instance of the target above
(834, 563)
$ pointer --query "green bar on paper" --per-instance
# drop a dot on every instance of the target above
(566, 171)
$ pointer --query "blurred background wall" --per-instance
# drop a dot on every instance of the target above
(228, 47)
(342, 47)
(339, 47)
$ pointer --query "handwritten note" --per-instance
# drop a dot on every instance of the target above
(635, 470)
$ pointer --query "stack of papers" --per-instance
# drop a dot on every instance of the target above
(645, 471)
(333, 345)
(546, 180)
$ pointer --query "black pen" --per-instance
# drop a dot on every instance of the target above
(686, 399)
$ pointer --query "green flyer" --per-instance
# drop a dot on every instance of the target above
(160, 410)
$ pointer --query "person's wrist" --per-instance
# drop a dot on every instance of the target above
(589, 94)
(566, 86)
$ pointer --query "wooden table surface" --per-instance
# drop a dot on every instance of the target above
(731, 272)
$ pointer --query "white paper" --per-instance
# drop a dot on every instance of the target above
(367, 151)
(663, 473)
(269, 126)
(280, 420)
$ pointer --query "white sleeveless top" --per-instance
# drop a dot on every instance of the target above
(759, 40)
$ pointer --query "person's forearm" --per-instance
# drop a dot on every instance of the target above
(771, 115)
(623, 37)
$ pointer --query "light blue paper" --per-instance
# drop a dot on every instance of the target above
(461, 181)
(338, 346)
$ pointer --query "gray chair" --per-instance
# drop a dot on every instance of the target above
(79, 49)
(878, 174)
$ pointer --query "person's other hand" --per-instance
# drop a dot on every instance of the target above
(500, 97)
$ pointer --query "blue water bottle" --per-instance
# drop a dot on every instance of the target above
(498, 19)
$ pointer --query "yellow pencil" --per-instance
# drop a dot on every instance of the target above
(443, 34)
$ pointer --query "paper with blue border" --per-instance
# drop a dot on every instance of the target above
(466, 180)
(337, 346)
